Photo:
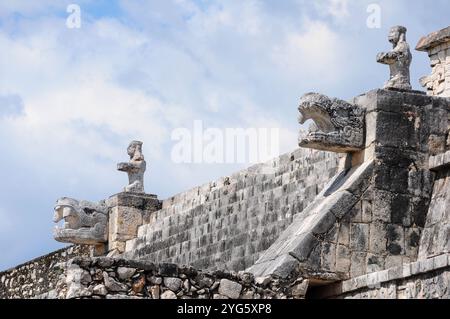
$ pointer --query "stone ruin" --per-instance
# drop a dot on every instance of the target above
(135, 168)
(360, 210)
(399, 60)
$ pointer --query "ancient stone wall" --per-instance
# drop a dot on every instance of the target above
(227, 224)
(38, 277)
(435, 237)
(424, 279)
(373, 223)
(371, 215)
(112, 278)
(429, 285)
(437, 44)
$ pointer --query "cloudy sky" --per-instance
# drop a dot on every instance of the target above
(72, 98)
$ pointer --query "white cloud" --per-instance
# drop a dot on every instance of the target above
(315, 53)
(88, 91)
(161, 65)
(337, 8)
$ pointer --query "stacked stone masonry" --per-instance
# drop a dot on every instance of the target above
(39, 276)
(437, 45)
(111, 278)
(371, 215)
(424, 279)
(435, 238)
(373, 223)
(227, 224)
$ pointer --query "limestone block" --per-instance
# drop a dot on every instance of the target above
(381, 206)
(441, 261)
(344, 233)
(373, 280)
(302, 246)
(395, 239)
(168, 294)
(395, 273)
(393, 261)
(412, 240)
(383, 276)
(328, 257)
(358, 264)
(263, 281)
(112, 285)
(155, 291)
(359, 236)
(230, 288)
(173, 283)
(426, 265)
(124, 222)
(374, 263)
(100, 290)
(125, 273)
(366, 211)
(377, 240)
(299, 290)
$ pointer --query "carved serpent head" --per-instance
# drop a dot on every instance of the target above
(338, 126)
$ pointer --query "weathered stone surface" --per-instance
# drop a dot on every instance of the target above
(364, 225)
(144, 202)
(84, 222)
(230, 288)
(168, 295)
(100, 290)
(112, 285)
(263, 281)
(435, 237)
(85, 278)
(135, 168)
(437, 44)
(338, 125)
(124, 223)
(303, 238)
(141, 284)
(125, 272)
(156, 280)
(299, 290)
(359, 237)
(429, 282)
(155, 292)
(127, 212)
(173, 284)
(122, 296)
(399, 60)
(207, 229)
(167, 269)
(433, 39)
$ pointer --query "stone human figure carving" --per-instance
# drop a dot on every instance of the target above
(135, 168)
(399, 60)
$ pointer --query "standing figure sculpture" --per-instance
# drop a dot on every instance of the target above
(399, 60)
(135, 168)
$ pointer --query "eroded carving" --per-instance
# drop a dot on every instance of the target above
(338, 125)
(399, 60)
(135, 168)
(84, 222)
